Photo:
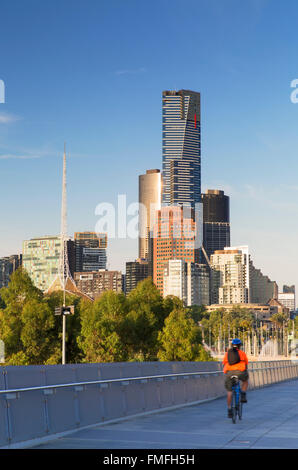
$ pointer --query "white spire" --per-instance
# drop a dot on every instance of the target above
(64, 200)
(64, 272)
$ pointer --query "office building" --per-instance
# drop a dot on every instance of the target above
(288, 289)
(235, 280)
(262, 289)
(136, 271)
(229, 277)
(41, 259)
(198, 284)
(149, 200)
(175, 236)
(175, 279)
(216, 221)
(288, 300)
(8, 265)
(90, 251)
(181, 148)
(188, 281)
(95, 283)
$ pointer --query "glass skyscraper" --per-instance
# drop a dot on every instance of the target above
(181, 148)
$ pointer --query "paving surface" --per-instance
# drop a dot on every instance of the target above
(270, 420)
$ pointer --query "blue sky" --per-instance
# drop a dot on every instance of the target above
(91, 73)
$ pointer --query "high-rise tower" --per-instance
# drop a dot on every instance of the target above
(181, 147)
(216, 218)
(149, 200)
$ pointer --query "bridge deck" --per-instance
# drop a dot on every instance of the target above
(270, 420)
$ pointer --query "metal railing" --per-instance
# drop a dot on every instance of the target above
(126, 380)
(123, 381)
(65, 407)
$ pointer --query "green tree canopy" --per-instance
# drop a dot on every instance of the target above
(180, 339)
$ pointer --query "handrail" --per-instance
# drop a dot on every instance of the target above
(128, 379)
(104, 381)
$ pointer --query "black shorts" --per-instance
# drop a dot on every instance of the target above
(241, 374)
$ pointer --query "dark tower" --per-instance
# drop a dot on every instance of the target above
(216, 220)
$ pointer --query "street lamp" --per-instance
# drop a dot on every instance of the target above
(64, 311)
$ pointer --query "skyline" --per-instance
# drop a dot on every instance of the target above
(241, 115)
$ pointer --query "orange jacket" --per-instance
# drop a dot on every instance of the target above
(242, 365)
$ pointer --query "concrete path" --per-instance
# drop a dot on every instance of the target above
(270, 420)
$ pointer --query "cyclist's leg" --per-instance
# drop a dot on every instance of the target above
(244, 384)
(229, 399)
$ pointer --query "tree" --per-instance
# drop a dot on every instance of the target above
(37, 333)
(180, 339)
(74, 353)
(30, 330)
(19, 291)
(101, 321)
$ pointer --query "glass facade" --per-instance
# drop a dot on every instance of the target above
(8, 265)
(90, 251)
(181, 148)
(41, 260)
(216, 221)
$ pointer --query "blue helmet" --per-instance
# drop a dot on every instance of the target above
(236, 342)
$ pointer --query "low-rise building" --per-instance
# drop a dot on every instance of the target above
(94, 283)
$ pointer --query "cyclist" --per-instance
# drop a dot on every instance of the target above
(235, 363)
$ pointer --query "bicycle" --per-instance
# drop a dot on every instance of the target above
(236, 399)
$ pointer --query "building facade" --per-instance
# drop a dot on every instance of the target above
(288, 300)
(90, 251)
(95, 283)
(174, 237)
(136, 271)
(188, 281)
(8, 265)
(150, 201)
(235, 280)
(41, 259)
(262, 289)
(175, 279)
(181, 147)
(216, 221)
(229, 277)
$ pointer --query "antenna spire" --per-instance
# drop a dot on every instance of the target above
(64, 271)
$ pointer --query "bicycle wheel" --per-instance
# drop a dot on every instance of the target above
(240, 410)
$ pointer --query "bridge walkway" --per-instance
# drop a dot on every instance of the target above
(270, 421)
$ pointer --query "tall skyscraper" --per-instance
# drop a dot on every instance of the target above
(90, 251)
(149, 200)
(181, 147)
(216, 221)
